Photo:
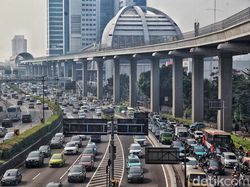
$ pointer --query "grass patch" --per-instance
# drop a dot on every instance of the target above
(179, 120)
(239, 140)
(2, 161)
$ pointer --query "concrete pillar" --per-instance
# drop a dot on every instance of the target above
(36, 70)
(116, 81)
(99, 79)
(60, 69)
(177, 87)
(84, 78)
(155, 85)
(66, 69)
(40, 70)
(33, 70)
(54, 69)
(49, 69)
(197, 89)
(73, 71)
(45, 70)
(224, 118)
(132, 83)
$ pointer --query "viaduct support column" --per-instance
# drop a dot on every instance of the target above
(33, 70)
(66, 69)
(40, 70)
(45, 70)
(73, 71)
(177, 87)
(84, 77)
(197, 89)
(49, 69)
(99, 79)
(60, 70)
(132, 83)
(36, 70)
(155, 85)
(224, 118)
(54, 69)
(116, 81)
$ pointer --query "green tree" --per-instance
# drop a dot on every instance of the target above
(124, 87)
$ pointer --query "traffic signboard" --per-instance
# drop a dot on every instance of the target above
(161, 155)
(85, 126)
(132, 126)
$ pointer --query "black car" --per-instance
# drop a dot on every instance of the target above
(19, 102)
(11, 177)
(135, 174)
(7, 123)
(77, 173)
(45, 149)
(35, 158)
(214, 166)
(26, 118)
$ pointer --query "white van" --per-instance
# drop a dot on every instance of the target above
(14, 113)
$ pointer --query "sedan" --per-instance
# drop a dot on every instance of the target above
(136, 149)
(135, 173)
(77, 173)
(11, 177)
(87, 162)
(57, 160)
(56, 142)
(45, 149)
(215, 167)
(77, 139)
(35, 158)
(92, 145)
(89, 152)
(71, 148)
(3, 131)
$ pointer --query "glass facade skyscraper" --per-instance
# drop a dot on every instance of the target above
(58, 27)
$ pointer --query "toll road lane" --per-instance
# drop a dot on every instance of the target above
(153, 174)
(42, 176)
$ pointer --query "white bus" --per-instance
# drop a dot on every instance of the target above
(14, 113)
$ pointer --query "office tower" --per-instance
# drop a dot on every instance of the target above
(19, 45)
(58, 27)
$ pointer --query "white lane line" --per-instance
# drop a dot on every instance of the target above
(162, 166)
(123, 169)
(36, 176)
(71, 164)
(100, 162)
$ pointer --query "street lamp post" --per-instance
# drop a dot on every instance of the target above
(43, 80)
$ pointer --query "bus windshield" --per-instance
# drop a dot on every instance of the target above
(222, 139)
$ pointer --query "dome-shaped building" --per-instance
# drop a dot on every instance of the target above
(136, 26)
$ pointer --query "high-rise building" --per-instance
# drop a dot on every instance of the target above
(58, 27)
(133, 2)
(19, 45)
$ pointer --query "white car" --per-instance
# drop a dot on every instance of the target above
(192, 163)
(198, 134)
(60, 134)
(228, 159)
(38, 102)
(136, 149)
(140, 139)
(81, 115)
(71, 148)
(8, 136)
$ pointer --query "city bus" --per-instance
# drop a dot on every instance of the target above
(213, 138)
(14, 113)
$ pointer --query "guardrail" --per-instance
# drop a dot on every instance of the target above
(20, 157)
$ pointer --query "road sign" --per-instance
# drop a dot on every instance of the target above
(161, 155)
(85, 126)
(216, 104)
(132, 126)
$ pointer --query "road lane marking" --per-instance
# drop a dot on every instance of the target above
(123, 169)
(100, 162)
(36, 176)
(162, 166)
(71, 164)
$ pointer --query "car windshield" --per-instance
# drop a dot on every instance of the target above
(88, 151)
(167, 135)
(10, 173)
(11, 109)
(214, 163)
(34, 154)
(199, 150)
(134, 160)
(192, 162)
(56, 157)
(135, 147)
(183, 134)
(86, 159)
(135, 170)
(43, 148)
(76, 169)
(75, 138)
(139, 137)
(177, 144)
(231, 157)
(70, 145)
(199, 133)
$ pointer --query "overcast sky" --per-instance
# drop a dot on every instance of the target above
(28, 18)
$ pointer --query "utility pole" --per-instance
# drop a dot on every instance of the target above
(112, 153)
(43, 79)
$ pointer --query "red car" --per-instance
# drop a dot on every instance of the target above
(88, 151)
(87, 162)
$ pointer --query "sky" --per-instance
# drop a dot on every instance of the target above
(28, 18)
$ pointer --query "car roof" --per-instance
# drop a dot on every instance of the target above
(133, 156)
(12, 170)
(57, 154)
(135, 144)
(228, 153)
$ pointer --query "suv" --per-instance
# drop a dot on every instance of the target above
(26, 118)
(133, 160)
(228, 159)
(35, 158)
(7, 123)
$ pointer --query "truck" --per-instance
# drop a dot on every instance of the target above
(181, 133)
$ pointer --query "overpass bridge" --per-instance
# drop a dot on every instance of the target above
(224, 39)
